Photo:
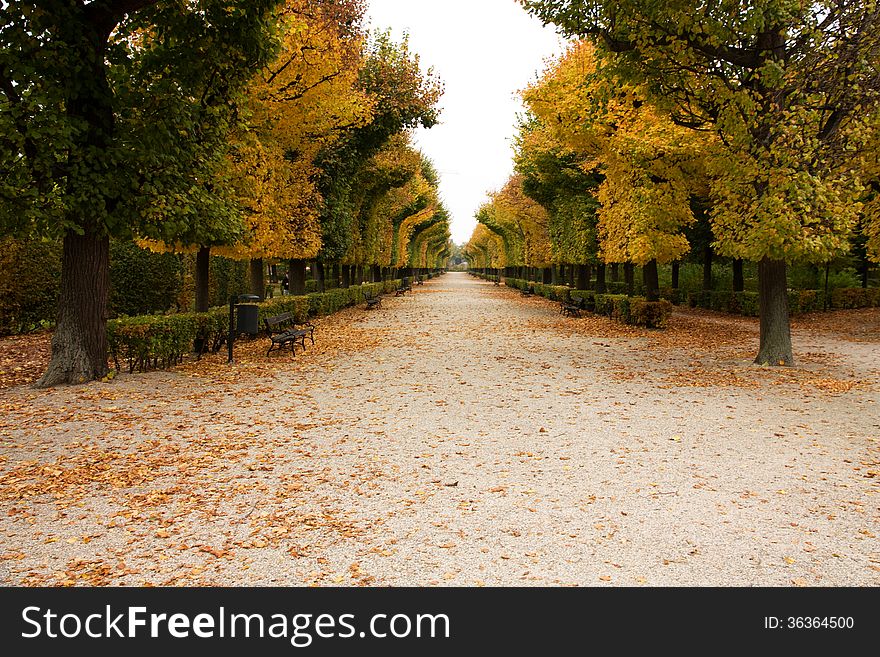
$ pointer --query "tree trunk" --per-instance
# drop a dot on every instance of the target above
(554, 275)
(256, 277)
(738, 281)
(775, 346)
(600, 278)
(676, 268)
(547, 277)
(583, 277)
(320, 275)
(652, 281)
(615, 273)
(203, 270)
(273, 273)
(629, 277)
(707, 269)
(346, 276)
(79, 343)
(297, 277)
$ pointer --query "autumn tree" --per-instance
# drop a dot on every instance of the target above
(787, 88)
(646, 167)
(485, 249)
(301, 102)
(404, 97)
(114, 117)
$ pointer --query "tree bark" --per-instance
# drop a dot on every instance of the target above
(297, 277)
(738, 281)
(346, 276)
(676, 269)
(320, 275)
(775, 348)
(615, 273)
(583, 277)
(629, 276)
(652, 281)
(554, 275)
(707, 268)
(547, 276)
(256, 277)
(203, 272)
(79, 343)
(600, 278)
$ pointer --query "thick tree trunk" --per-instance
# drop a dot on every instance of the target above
(297, 277)
(775, 346)
(652, 281)
(707, 269)
(547, 276)
(334, 275)
(79, 344)
(583, 277)
(739, 283)
(376, 274)
(203, 271)
(256, 277)
(676, 269)
(346, 276)
(600, 278)
(615, 273)
(554, 275)
(629, 277)
(320, 274)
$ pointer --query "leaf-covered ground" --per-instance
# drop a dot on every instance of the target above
(460, 435)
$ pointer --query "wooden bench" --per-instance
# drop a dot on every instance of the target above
(420, 281)
(373, 300)
(284, 330)
(528, 291)
(574, 307)
(403, 289)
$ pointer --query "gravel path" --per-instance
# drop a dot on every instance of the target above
(462, 435)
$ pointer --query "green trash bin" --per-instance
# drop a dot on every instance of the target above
(247, 315)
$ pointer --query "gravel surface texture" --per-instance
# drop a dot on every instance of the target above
(461, 435)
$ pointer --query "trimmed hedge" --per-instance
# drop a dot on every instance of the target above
(636, 311)
(799, 301)
(161, 341)
(856, 297)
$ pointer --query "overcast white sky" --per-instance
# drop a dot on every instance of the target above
(484, 51)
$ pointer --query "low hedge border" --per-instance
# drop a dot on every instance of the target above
(737, 303)
(161, 341)
(635, 311)
(799, 301)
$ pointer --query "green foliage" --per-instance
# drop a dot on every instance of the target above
(227, 278)
(29, 274)
(143, 282)
(115, 120)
